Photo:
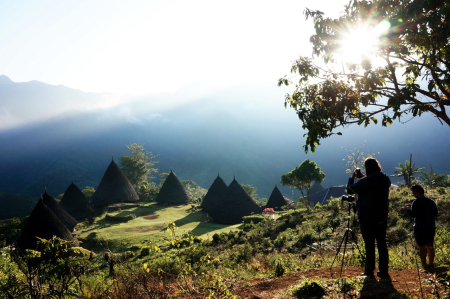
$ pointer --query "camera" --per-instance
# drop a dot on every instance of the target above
(358, 173)
(348, 198)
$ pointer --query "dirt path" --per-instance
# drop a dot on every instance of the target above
(405, 281)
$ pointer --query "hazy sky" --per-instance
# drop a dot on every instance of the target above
(148, 46)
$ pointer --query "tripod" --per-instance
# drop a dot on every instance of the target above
(348, 231)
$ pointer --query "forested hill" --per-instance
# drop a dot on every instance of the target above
(244, 130)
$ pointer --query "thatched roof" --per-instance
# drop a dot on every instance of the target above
(75, 203)
(172, 191)
(276, 200)
(323, 196)
(62, 215)
(316, 187)
(214, 194)
(44, 224)
(114, 188)
(234, 204)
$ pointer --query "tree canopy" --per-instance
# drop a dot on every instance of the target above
(303, 176)
(402, 73)
(407, 171)
(138, 167)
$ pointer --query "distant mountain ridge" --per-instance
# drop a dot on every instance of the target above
(30, 102)
(243, 131)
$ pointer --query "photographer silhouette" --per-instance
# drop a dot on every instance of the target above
(372, 207)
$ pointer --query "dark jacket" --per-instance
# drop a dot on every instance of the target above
(373, 197)
(424, 211)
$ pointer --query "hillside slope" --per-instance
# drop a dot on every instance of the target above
(243, 131)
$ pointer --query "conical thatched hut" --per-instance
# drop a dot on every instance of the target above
(172, 192)
(44, 224)
(234, 204)
(276, 200)
(62, 215)
(316, 187)
(75, 203)
(214, 194)
(325, 195)
(114, 188)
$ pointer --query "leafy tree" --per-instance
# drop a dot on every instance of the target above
(428, 178)
(410, 75)
(194, 191)
(251, 190)
(144, 191)
(432, 180)
(302, 177)
(442, 180)
(88, 191)
(407, 171)
(138, 167)
(355, 159)
(163, 177)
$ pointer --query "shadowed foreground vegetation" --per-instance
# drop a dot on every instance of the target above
(188, 257)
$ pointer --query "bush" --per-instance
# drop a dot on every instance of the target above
(441, 190)
(253, 218)
(145, 250)
(306, 237)
(281, 241)
(308, 289)
(244, 253)
(128, 254)
(248, 227)
(181, 243)
(393, 217)
(280, 269)
(396, 234)
(221, 238)
(334, 205)
(216, 238)
(195, 254)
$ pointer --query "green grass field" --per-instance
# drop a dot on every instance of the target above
(147, 229)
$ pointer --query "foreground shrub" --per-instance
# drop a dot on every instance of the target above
(308, 289)
(145, 250)
(252, 218)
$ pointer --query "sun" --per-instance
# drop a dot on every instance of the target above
(362, 41)
(358, 44)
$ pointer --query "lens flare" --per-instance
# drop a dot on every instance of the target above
(363, 40)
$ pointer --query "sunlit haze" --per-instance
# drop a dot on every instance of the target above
(140, 47)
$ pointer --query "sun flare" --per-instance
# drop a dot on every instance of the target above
(362, 41)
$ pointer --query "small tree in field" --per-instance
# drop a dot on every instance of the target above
(88, 191)
(355, 159)
(138, 167)
(407, 171)
(302, 177)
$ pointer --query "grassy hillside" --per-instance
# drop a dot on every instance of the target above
(148, 228)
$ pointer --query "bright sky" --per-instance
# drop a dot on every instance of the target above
(148, 46)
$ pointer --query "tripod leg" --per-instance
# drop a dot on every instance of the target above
(345, 247)
(357, 246)
(338, 249)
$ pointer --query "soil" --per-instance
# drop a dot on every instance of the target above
(404, 281)
(148, 215)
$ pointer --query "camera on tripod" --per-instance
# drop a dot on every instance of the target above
(348, 198)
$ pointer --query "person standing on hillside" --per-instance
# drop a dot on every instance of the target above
(424, 211)
(372, 205)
